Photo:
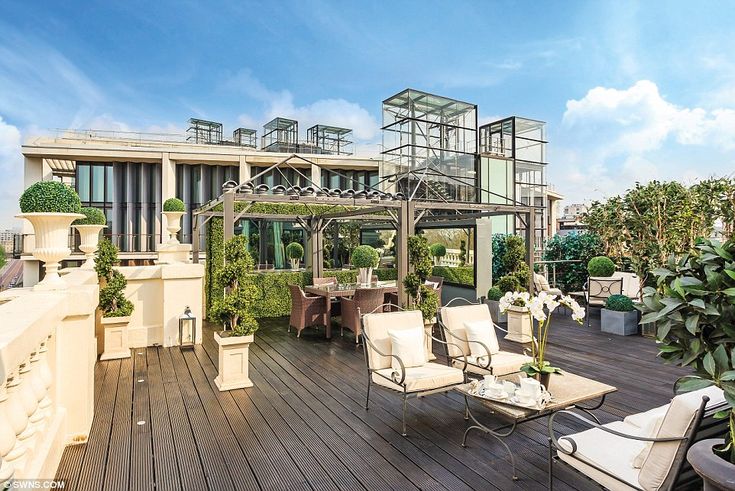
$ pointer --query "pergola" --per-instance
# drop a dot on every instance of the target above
(371, 205)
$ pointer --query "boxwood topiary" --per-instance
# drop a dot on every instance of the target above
(438, 250)
(173, 204)
(294, 250)
(365, 256)
(509, 283)
(494, 293)
(49, 197)
(619, 303)
(601, 266)
(92, 216)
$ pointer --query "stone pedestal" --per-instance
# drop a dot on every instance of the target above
(173, 253)
(520, 328)
(233, 362)
(116, 338)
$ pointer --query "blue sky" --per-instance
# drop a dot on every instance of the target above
(631, 91)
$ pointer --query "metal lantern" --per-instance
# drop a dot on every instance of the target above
(187, 328)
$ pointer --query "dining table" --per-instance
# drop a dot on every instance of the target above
(336, 290)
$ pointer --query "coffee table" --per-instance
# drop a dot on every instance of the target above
(567, 391)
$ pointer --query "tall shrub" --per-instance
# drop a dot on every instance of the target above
(514, 259)
(112, 282)
(234, 309)
(583, 246)
(421, 296)
(498, 248)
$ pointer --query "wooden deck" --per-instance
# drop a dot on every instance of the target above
(160, 422)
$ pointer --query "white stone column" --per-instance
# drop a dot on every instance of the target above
(245, 173)
(18, 417)
(316, 174)
(9, 453)
(168, 177)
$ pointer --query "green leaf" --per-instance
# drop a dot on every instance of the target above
(723, 253)
(730, 292)
(663, 329)
(709, 364)
(721, 361)
(691, 323)
(698, 303)
(689, 281)
(722, 414)
(730, 273)
(690, 383)
(669, 348)
(649, 317)
(728, 376)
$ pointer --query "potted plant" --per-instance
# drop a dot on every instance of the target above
(494, 295)
(174, 209)
(50, 207)
(540, 308)
(600, 267)
(365, 258)
(234, 311)
(421, 296)
(294, 252)
(693, 307)
(438, 251)
(115, 308)
(520, 327)
(89, 229)
(619, 316)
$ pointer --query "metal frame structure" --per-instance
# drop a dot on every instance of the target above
(203, 131)
(245, 137)
(280, 135)
(404, 213)
(331, 140)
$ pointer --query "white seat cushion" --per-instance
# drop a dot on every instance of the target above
(427, 377)
(482, 332)
(642, 419)
(408, 345)
(610, 452)
(502, 363)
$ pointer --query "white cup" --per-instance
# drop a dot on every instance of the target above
(509, 388)
(495, 389)
(525, 397)
(489, 380)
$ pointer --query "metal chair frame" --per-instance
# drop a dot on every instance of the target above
(398, 377)
(606, 286)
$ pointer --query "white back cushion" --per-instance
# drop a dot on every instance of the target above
(376, 327)
(408, 345)
(454, 319)
(484, 332)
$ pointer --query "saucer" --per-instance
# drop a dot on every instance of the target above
(500, 397)
(517, 402)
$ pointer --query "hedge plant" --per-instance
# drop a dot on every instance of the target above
(365, 256)
(619, 303)
(112, 282)
(601, 266)
(494, 293)
(580, 247)
(50, 197)
(463, 275)
(174, 204)
(92, 216)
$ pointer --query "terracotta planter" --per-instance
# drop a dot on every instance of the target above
(173, 225)
(116, 338)
(520, 328)
(51, 231)
(233, 361)
(716, 472)
(90, 238)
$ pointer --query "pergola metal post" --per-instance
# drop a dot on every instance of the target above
(405, 228)
(195, 240)
(316, 246)
(229, 214)
(530, 245)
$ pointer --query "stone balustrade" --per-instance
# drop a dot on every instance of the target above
(47, 357)
(452, 259)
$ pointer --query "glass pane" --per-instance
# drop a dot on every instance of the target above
(83, 182)
(109, 193)
(98, 183)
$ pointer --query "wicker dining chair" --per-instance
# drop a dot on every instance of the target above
(365, 300)
(327, 280)
(306, 310)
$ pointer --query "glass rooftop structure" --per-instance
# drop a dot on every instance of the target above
(245, 137)
(331, 140)
(280, 134)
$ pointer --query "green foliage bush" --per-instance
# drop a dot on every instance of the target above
(49, 197)
(494, 293)
(619, 303)
(570, 277)
(419, 258)
(438, 250)
(509, 283)
(112, 283)
(463, 275)
(498, 248)
(601, 266)
(294, 250)
(365, 256)
(92, 216)
(174, 204)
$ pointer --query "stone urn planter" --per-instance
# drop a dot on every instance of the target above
(233, 361)
(520, 329)
(716, 472)
(619, 323)
(116, 338)
(90, 237)
(51, 232)
(495, 313)
(173, 225)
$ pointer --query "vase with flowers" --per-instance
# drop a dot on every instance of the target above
(540, 309)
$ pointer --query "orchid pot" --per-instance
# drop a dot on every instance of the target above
(51, 231)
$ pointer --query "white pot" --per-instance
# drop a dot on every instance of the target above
(116, 338)
(173, 224)
(233, 361)
(51, 231)
(520, 329)
(364, 275)
(90, 238)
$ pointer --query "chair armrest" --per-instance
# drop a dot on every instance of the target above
(395, 376)
(592, 424)
(464, 355)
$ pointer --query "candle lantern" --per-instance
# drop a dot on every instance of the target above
(187, 328)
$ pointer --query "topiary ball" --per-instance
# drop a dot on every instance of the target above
(92, 216)
(174, 204)
(49, 197)
(294, 250)
(601, 266)
(494, 293)
(364, 256)
(619, 303)
(508, 283)
(438, 250)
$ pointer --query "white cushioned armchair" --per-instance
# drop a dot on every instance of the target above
(645, 451)
(395, 357)
(483, 357)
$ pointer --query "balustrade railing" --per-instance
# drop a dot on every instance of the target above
(453, 260)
